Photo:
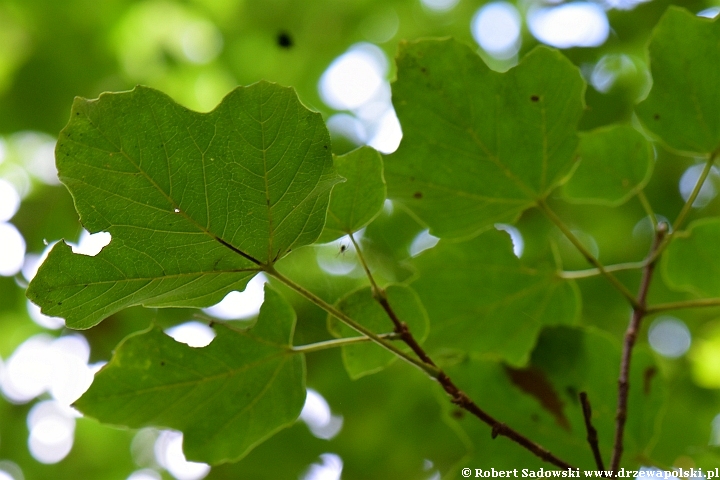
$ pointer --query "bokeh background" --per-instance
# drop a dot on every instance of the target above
(338, 54)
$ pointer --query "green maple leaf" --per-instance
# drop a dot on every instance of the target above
(615, 163)
(480, 147)
(226, 397)
(354, 203)
(480, 298)
(195, 203)
(683, 107)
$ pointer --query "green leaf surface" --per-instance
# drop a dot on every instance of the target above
(542, 402)
(354, 203)
(615, 162)
(692, 261)
(195, 203)
(226, 398)
(366, 358)
(683, 107)
(479, 146)
(481, 298)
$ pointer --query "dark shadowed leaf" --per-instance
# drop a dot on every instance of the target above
(226, 397)
(479, 146)
(196, 203)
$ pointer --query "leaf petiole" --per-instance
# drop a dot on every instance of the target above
(543, 206)
(593, 272)
(340, 342)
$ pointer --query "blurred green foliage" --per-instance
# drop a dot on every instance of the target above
(53, 51)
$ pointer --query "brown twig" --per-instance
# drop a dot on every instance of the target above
(457, 396)
(638, 314)
(592, 436)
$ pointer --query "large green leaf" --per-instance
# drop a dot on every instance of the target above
(354, 203)
(542, 400)
(195, 202)
(226, 397)
(615, 162)
(683, 107)
(692, 261)
(481, 298)
(479, 146)
(361, 306)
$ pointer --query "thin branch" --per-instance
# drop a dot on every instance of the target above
(429, 369)
(701, 302)
(457, 396)
(592, 436)
(594, 272)
(340, 342)
(401, 327)
(585, 253)
(638, 314)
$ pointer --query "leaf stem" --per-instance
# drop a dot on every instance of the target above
(648, 208)
(700, 302)
(688, 205)
(429, 369)
(340, 342)
(639, 312)
(592, 436)
(593, 272)
(364, 264)
(693, 195)
(543, 206)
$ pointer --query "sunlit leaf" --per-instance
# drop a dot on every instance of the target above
(683, 107)
(196, 203)
(615, 162)
(226, 397)
(481, 298)
(354, 203)
(479, 146)
(367, 358)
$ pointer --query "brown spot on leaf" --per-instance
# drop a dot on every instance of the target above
(418, 195)
(656, 116)
(533, 381)
(162, 364)
(535, 98)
